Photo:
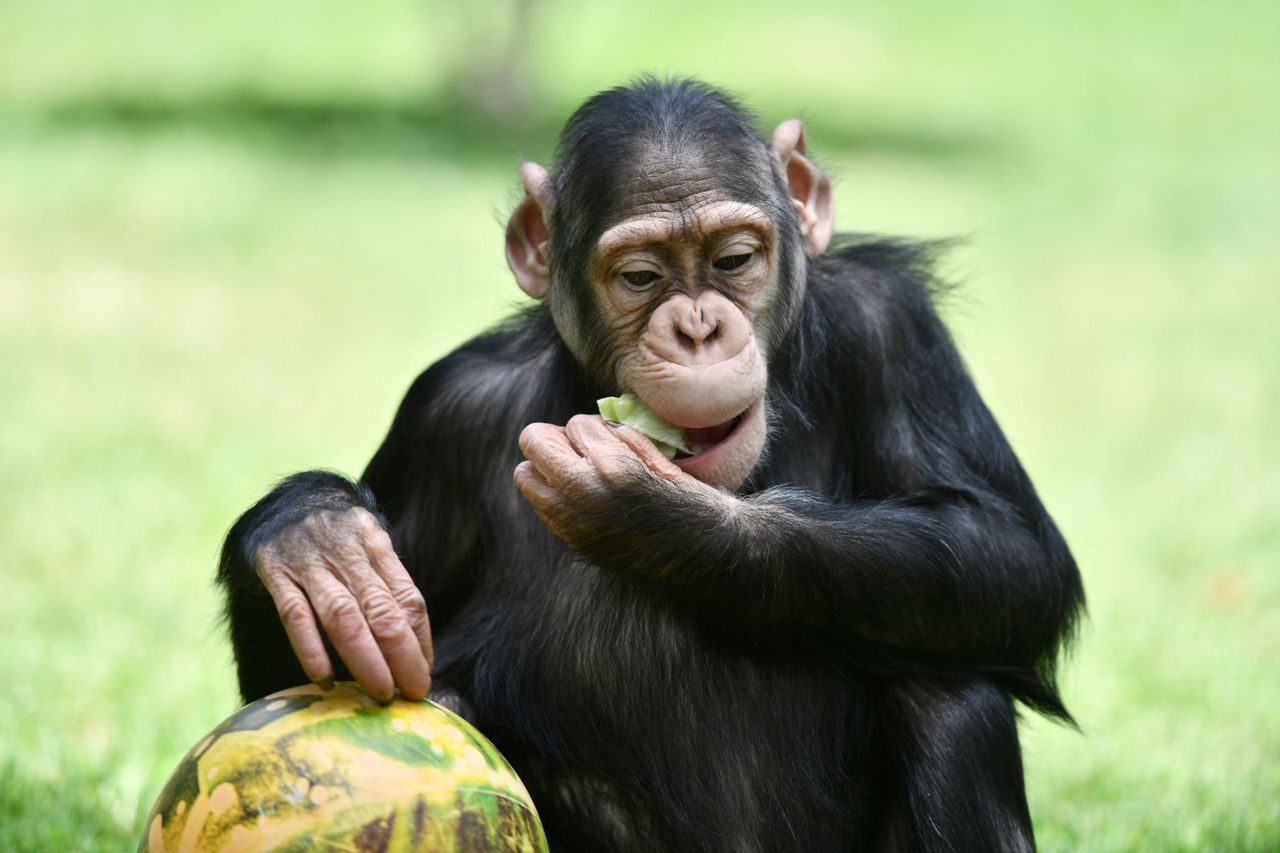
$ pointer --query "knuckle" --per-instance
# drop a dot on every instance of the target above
(529, 435)
(536, 498)
(346, 621)
(296, 613)
(384, 617)
(540, 438)
(380, 538)
(612, 466)
(412, 603)
(366, 523)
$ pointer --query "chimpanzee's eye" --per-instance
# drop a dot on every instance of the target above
(731, 262)
(640, 279)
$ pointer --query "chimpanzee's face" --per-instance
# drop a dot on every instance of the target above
(674, 268)
(682, 279)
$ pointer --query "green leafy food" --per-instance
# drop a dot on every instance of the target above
(630, 410)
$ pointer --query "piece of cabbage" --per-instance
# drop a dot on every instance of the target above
(631, 410)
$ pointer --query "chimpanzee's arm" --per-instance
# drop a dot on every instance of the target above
(962, 575)
(265, 659)
(284, 557)
(942, 550)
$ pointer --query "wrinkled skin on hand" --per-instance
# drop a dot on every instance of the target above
(339, 569)
(570, 468)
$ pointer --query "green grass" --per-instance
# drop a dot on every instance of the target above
(227, 244)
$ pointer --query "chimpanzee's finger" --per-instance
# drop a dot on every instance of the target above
(383, 557)
(549, 450)
(347, 627)
(588, 434)
(593, 437)
(544, 498)
(535, 488)
(299, 622)
(391, 631)
(648, 452)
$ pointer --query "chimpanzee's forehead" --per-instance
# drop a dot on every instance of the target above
(665, 182)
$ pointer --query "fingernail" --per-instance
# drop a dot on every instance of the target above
(326, 683)
(615, 423)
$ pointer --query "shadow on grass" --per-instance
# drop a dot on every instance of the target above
(438, 128)
(315, 127)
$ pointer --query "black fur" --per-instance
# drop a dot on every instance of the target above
(828, 667)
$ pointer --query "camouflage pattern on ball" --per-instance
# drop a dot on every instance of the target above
(306, 769)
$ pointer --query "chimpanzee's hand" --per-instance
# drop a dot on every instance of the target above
(340, 568)
(586, 463)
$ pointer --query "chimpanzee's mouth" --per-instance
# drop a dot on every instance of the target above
(702, 439)
(725, 453)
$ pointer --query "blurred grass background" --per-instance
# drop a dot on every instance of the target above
(230, 237)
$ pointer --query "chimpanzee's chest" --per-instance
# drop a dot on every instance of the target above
(635, 724)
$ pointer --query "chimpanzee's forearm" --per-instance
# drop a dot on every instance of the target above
(948, 575)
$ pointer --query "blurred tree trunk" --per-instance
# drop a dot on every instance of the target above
(496, 77)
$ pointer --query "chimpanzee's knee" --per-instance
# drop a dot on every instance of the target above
(951, 747)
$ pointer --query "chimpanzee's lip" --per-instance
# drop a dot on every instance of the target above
(701, 439)
(706, 442)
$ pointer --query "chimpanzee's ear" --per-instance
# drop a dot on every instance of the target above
(528, 240)
(810, 188)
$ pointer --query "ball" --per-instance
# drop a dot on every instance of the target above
(306, 769)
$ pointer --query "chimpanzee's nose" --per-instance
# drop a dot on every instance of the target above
(695, 326)
(705, 330)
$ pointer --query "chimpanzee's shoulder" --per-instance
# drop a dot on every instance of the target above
(870, 291)
(870, 305)
(495, 375)
(878, 266)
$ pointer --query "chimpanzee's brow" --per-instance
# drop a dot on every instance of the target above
(660, 227)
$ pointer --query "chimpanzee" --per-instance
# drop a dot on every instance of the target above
(806, 634)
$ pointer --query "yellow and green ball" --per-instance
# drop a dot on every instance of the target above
(307, 769)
